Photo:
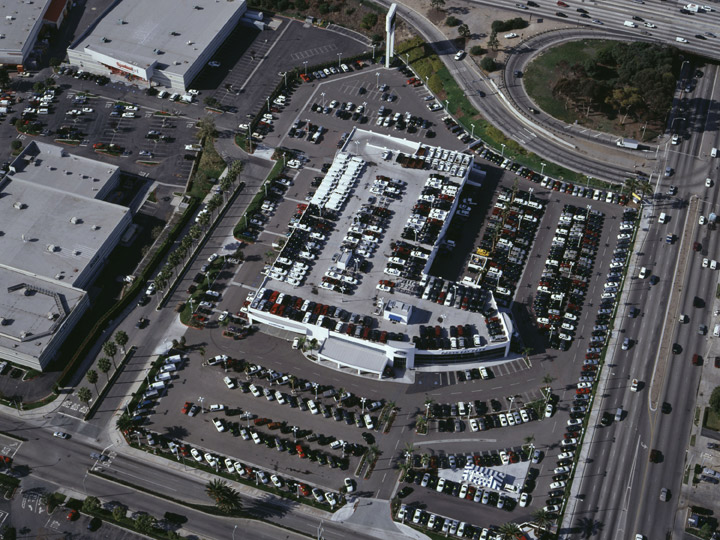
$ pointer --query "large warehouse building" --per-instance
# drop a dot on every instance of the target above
(55, 233)
(21, 24)
(163, 42)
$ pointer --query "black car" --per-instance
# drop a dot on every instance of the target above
(368, 437)
(606, 419)
(142, 323)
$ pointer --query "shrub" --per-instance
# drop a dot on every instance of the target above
(488, 64)
(715, 400)
(453, 21)
(324, 8)
(477, 50)
(511, 24)
(16, 145)
(369, 20)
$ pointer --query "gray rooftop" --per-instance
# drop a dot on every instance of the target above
(354, 355)
(179, 29)
(32, 308)
(17, 21)
(53, 166)
(37, 218)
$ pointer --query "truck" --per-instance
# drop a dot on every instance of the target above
(694, 8)
(628, 143)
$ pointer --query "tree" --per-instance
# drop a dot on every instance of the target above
(54, 61)
(104, 366)
(509, 531)
(144, 523)
(4, 77)
(493, 42)
(124, 423)
(541, 518)
(464, 31)
(121, 338)
(437, 4)
(206, 128)
(203, 219)
(234, 170)
(226, 499)
(488, 64)
(477, 50)
(90, 504)
(212, 102)
(84, 395)
(16, 145)
(547, 379)
(92, 378)
(119, 512)
(453, 21)
(110, 349)
(715, 400)
(428, 403)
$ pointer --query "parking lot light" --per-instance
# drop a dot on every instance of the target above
(377, 80)
(502, 154)
(407, 59)
(201, 400)
(315, 386)
(339, 59)
(447, 105)
(362, 402)
(268, 103)
(542, 168)
(373, 46)
(322, 95)
(305, 62)
(472, 131)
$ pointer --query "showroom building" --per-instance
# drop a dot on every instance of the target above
(161, 43)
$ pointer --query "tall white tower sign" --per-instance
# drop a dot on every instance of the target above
(390, 37)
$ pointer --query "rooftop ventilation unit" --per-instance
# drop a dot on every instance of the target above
(25, 334)
(51, 248)
(95, 227)
(19, 206)
(74, 220)
(76, 252)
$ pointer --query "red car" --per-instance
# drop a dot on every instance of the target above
(300, 450)
(186, 407)
(72, 515)
(304, 490)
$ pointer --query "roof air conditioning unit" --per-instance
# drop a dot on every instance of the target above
(51, 248)
(19, 205)
(74, 220)
(3, 322)
(50, 315)
(25, 334)
(95, 227)
(76, 252)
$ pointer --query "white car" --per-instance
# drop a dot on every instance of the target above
(562, 470)
(474, 425)
(392, 271)
(524, 499)
(511, 35)
(349, 485)
(681, 40)
(219, 425)
(574, 422)
(701, 220)
(294, 163)
(568, 442)
(650, 25)
(565, 455)
(552, 508)
(548, 410)
(128, 115)
(224, 315)
(61, 435)
(275, 479)
(210, 459)
(558, 485)
(214, 63)
(459, 55)
(440, 485)
(87, 109)
(196, 454)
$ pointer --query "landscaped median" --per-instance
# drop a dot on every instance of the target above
(428, 66)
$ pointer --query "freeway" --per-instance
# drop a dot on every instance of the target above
(664, 21)
(619, 485)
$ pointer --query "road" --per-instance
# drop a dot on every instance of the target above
(625, 501)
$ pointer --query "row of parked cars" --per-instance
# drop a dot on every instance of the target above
(567, 274)
(431, 210)
(508, 238)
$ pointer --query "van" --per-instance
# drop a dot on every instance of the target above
(313, 408)
(163, 376)
(162, 94)
(151, 394)
(713, 152)
(461, 408)
(662, 218)
(175, 359)
(160, 385)
(168, 368)
(618, 414)
(368, 422)
(716, 330)
(630, 24)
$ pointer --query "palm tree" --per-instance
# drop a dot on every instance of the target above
(121, 338)
(110, 349)
(92, 378)
(428, 403)
(509, 531)
(104, 366)
(204, 219)
(547, 379)
(124, 423)
(542, 519)
(226, 498)
(404, 467)
(84, 395)
(373, 452)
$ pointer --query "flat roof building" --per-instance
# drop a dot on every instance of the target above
(160, 43)
(20, 26)
(55, 235)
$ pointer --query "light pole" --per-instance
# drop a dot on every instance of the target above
(339, 55)
(305, 62)
(502, 154)
(315, 386)
(362, 402)
(248, 414)
(407, 59)
(447, 105)
(233, 534)
(377, 80)
(294, 430)
(373, 46)
(284, 75)
(542, 168)
(201, 400)
(322, 95)
(268, 103)
(472, 131)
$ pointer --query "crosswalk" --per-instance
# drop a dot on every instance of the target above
(302, 55)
